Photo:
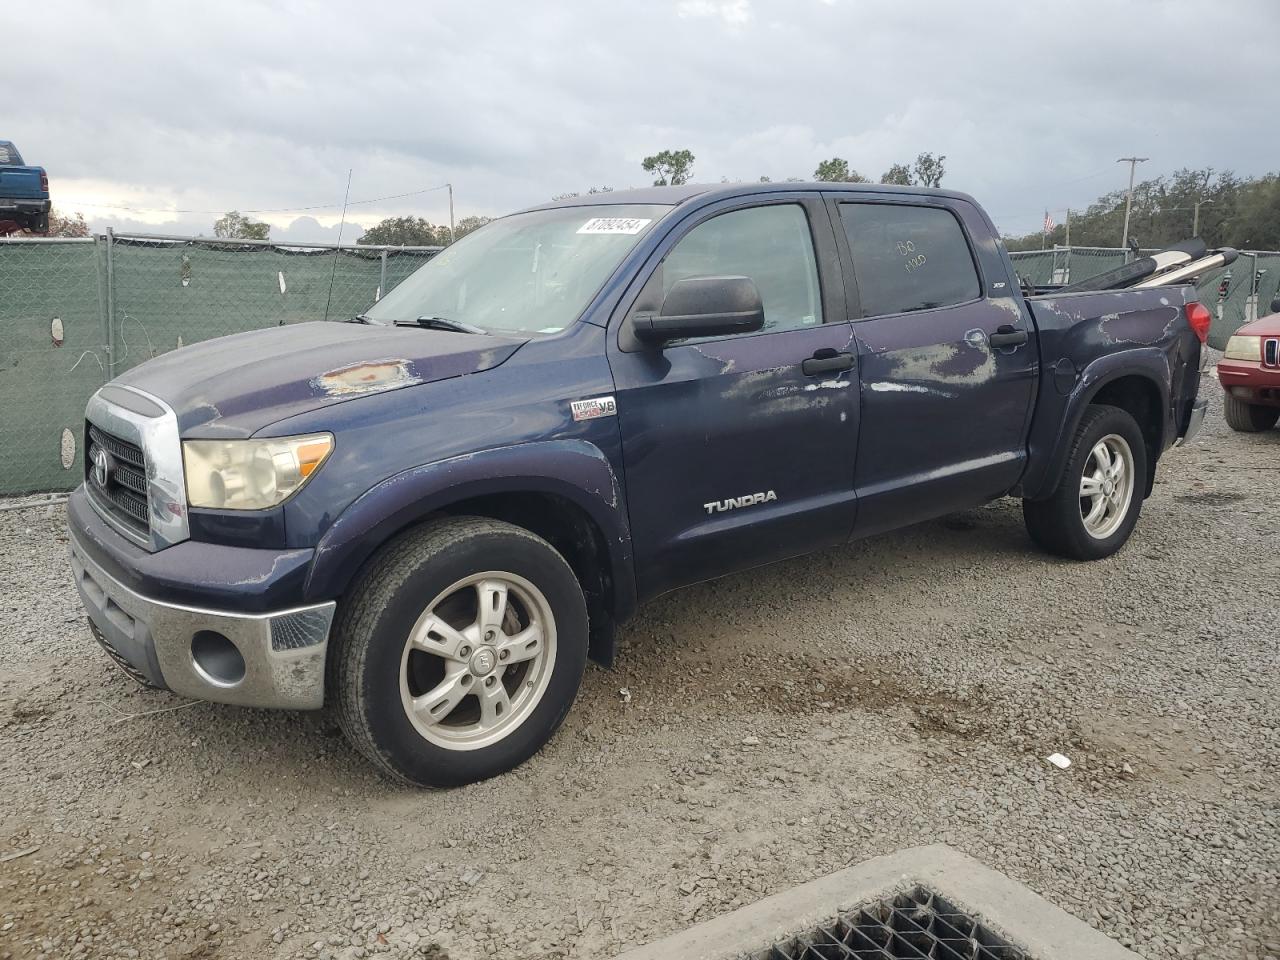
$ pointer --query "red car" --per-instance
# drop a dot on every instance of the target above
(1250, 374)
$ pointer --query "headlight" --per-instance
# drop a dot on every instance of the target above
(1243, 348)
(250, 474)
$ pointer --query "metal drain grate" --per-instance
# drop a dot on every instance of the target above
(918, 925)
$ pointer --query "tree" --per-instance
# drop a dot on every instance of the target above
(72, 226)
(673, 167)
(929, 170)
(417, 232)
(1258, 225)
(837, 170)
(236, 226)
(899, 173)
(465, 226)
(1233, 212)
(406, 232)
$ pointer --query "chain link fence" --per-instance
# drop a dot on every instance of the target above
(74, 313)
(1236, 294)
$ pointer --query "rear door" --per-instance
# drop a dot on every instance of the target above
(734, 454)
(945, 404)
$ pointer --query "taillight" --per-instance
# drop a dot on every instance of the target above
(1199, 318)
(44, 181)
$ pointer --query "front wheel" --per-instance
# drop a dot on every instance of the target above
(1099, 497)
(458, 652)
(1248, 417)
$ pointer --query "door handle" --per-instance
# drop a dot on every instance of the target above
(827, 360)
(1007, 335)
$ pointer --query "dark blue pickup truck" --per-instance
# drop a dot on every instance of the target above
(430, 516)
(24, 191)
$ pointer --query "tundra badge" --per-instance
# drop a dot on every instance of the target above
(593, 408)
(750, 500)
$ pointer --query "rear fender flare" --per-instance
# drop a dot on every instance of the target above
(1150, 363)
(573, 469)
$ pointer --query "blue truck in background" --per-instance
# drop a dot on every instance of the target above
(24, 192)
(429, 517)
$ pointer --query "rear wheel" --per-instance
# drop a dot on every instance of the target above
(459, 651)
(1248, 417)
(1099, 497)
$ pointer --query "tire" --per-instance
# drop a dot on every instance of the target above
(1059, 523)
(430, 712)
(1248, 417)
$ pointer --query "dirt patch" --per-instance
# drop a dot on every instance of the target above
(1211, 498)
(756, 732)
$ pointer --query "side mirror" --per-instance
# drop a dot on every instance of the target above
(703, 307)
(1275, 305)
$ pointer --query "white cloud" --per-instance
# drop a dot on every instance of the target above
(513, 104)
(732, 12)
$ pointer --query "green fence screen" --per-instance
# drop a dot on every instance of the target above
(75, 313)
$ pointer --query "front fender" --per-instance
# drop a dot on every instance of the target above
(573, 469)
(1150, 363)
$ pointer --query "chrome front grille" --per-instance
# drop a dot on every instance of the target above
(124, 493)
(133, 466)
(1271, 352)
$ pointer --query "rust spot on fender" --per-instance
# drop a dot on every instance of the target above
(371, 376)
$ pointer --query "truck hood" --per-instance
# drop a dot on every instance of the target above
(1268, 326)
(236, 385)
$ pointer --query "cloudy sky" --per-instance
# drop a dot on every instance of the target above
(163, 115)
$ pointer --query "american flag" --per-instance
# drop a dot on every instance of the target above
(1048, 223)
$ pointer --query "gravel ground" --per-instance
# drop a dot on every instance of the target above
(776, 726)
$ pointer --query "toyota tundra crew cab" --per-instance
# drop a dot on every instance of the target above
(428, 517)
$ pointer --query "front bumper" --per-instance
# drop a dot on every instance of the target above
(254, 660)
(1250, 381)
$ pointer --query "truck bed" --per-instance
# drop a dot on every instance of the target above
(1082, 335)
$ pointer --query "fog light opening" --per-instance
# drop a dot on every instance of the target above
(216, 659)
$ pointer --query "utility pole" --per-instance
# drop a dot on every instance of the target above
(1195, 218)
(1068, 243)
(1128, 197)
(450, 186)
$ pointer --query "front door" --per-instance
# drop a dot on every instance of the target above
(947, 356)
(735, 456)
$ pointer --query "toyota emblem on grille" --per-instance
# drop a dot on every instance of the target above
(102, 465)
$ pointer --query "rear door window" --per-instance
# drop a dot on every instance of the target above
(908, 258)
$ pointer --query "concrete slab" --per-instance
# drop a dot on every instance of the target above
(1006, 907)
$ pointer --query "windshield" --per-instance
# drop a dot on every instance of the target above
(527, 273)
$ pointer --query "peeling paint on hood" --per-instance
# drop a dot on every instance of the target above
(373, 376)
(236, 385)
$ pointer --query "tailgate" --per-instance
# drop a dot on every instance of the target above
(20, 183)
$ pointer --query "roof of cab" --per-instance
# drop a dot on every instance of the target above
(709, 192)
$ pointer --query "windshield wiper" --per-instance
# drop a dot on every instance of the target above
(441, 323)
(358, 318)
